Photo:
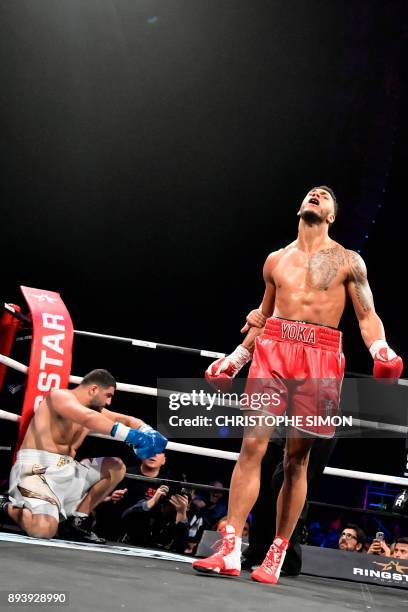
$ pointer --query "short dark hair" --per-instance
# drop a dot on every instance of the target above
(330, 190)
(360, 534)
(403, 540)
(102, 378)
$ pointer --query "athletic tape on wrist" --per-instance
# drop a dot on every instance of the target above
(120, 432)
(376, 347)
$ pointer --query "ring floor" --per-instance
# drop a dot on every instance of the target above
(110, 582)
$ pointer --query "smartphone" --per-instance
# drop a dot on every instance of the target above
(379, 536)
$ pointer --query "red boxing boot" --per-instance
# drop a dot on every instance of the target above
(227, 560)
(271, 566)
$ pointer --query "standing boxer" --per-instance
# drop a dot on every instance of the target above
(46, 482)
(307, 284)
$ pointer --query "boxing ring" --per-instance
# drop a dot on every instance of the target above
(116, 577)
(106, 581)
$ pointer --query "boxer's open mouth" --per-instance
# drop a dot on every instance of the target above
(314, 201)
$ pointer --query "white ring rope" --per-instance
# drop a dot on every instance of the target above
(12, 363)
(9, 416)
(20, 367)
(215, 453)
(209, 452)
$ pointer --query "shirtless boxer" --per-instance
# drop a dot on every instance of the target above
(307, 284)
(47, 483)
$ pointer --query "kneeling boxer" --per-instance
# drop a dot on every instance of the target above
(47, 483)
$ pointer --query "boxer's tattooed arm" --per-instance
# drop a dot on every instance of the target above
(324, 266)
(358, 278)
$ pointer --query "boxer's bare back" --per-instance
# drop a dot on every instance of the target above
(59, 423)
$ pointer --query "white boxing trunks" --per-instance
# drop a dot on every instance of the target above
(49, 483)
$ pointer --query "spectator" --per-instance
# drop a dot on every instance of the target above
(331, 534)
(399, 549)
(352, 538)
(379, 547)
(206, 511)
(315, 535)
(151, 515)
(155, 516)
(159, 521)
(211, 506)
(196, 528)
(108, 515)
(150, 467)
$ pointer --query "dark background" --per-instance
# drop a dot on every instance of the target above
(154, 152)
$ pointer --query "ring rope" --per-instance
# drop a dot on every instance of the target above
(155, 345)
(193, 485)
(132, 341)
(20, 367)
(319, 504)
(151, 391)
(215, 453)
(231, 456)
(190, 485)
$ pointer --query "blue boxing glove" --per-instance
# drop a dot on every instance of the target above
(146, 441)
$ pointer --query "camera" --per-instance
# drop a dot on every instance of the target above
(178, 490)
(187, 492)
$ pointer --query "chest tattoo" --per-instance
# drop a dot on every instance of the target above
(324, 266)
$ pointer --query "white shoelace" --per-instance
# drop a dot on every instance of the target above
(272, 560)
(226, 545)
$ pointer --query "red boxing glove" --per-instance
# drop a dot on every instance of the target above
(387, 364)
(221, 372)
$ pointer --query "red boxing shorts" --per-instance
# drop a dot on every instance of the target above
(302, 366)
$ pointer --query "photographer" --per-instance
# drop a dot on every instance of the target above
(108, 515)
(159, 521)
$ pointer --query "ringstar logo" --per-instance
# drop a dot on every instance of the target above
(386, 567)
(43, 297)
(391, 572)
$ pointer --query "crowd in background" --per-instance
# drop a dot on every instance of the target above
(174, 517)
(167, 514)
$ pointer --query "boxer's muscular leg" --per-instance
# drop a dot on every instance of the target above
(290, 504)
(245, 481)
(262, 530)
(263, 523)
(292, 495)
(113, 470)
(35, 525)
(244, 490)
